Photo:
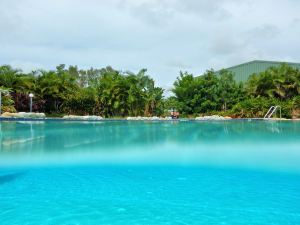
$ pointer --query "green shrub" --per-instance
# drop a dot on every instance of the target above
(258, 107)
(9, 108)
(296, 102)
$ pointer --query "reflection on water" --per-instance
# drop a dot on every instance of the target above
(10, 177)
(58, 136)
(182, 140)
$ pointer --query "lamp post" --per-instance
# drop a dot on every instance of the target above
(31, 96)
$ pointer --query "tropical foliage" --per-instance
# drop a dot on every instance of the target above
(218, 93)
(7, 104)
(277, 82)
(112, 93)
(209, 92)
(105, 92)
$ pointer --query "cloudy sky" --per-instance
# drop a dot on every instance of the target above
(165, 36)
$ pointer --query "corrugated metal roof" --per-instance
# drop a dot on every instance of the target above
(243, 71)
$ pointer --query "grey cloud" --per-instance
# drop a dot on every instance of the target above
(162, 12)
(153, 12)
(179, 64)
(204, 8)
(226, 45)
(267, 31)
(165, 36)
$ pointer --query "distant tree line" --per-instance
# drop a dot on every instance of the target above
(105, 92)
(218, 93)
(112, 93)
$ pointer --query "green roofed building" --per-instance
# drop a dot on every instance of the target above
(243, 71)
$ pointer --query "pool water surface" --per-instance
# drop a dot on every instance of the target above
(227, 172)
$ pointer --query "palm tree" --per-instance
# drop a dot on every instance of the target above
(8, 76)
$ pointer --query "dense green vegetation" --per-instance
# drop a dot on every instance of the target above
(112, 93)
(218, 93)
(210, 92)
(105, 92)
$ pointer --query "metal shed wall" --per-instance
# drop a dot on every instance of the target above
(243, 71)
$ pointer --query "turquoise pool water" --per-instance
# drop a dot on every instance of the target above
(232, 172)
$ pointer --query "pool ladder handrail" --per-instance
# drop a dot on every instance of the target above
(271, 111)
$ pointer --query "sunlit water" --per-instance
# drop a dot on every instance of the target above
(232, 172)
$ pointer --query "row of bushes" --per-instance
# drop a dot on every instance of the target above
(218, 93)
(111, 93)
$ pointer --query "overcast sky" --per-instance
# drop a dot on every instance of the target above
(164, 36)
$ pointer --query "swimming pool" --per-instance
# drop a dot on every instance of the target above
(120, 172)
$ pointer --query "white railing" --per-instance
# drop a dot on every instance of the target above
(271, 111)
